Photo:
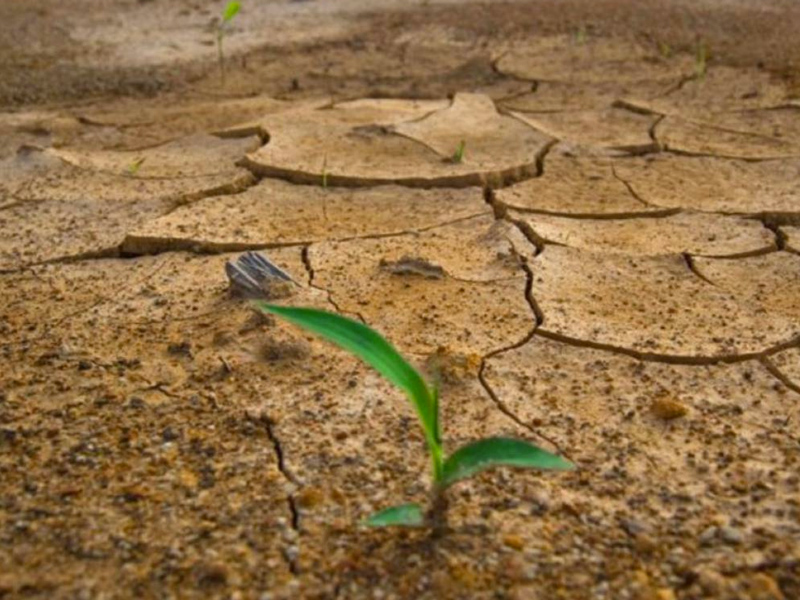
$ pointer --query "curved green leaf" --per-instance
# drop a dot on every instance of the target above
(406, 515)
(497, 451)
(230, 11)
(373, 349)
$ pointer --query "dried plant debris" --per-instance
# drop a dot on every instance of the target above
(408, 265)
(253, 276)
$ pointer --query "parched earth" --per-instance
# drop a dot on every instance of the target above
(612, 271)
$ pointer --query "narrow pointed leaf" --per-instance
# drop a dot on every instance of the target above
(230, 11)
(492, 452)
(437, 428)
(405, 515)
(373, 349)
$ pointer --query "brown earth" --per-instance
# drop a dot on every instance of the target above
(612, 271)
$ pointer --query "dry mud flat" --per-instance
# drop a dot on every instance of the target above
(612, 271)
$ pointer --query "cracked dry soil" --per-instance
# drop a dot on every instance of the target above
(612, 271)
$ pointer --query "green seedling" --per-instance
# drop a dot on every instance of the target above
(701, 60)
(664, 49)
(325, 172)
(372, 348)
(580, 36)
(458, 155)
(135, 165)
(231, 10)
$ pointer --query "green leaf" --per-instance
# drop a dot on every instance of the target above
(133, 168)
(491, 452)
(373, 349)
(436, 425)
(230, 11)
(458, 155)
(405, 515)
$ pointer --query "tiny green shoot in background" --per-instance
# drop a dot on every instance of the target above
(325, 172)
(231, 10)
(135, 165)
(458, 155)
(470, 459)
(701, 60)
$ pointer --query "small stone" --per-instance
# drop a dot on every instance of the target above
(667, 408)
(523, 592)
(731, 535)
(645, 544)
(755, 559)
(633, 527)
(208, 575)
(711, 582)
(764, 587)
(137, 403)
(182, 348)
(640, 579)
(514, 541)
(708, 535)
(409, 265)
(310, 497)
(540, 502)
(517, 568)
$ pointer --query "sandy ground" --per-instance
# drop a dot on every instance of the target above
(612, 271)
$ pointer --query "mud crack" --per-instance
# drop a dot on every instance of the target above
(538, 320)
(674, 359)
(269, 427)
(688, 259)
(667, 212)
(310, 273)
(779, 375)
(780, 237)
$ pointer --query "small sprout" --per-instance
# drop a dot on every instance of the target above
(372, 348)
(325, 172)
(133, 168)
(230, 11)
(458, 155)
(664, 49)
(580, 35)
(701, 60)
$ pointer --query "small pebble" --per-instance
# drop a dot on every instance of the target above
(708, 535)
(668, 409)
(731, 535)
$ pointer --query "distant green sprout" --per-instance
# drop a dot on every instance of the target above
(325, 172)
(701, 60)
(372, 348)
(580, 36)
(664, 49)
(230, 11)
(458, 155)
(135, 165)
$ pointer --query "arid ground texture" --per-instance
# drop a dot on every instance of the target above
(611, 271)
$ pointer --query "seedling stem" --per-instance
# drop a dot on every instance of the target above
(231, 10)
(458, 155)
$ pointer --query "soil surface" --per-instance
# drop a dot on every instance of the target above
(611, 270)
